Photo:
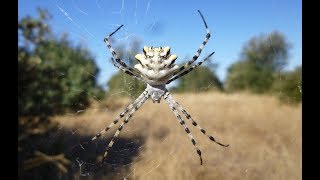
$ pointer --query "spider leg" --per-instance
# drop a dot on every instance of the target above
(190, 69)
(139, 104)
(195, 57)
(114, 54)
(183, 124)
(124, 112)
(193, 122)
(125, 70)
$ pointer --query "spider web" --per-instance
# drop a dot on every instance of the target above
(133, 154)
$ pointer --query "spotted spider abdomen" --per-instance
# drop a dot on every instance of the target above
(156, 64)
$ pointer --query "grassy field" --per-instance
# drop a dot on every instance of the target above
(264, 137)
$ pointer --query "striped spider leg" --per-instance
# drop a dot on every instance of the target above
(195, 57)
(121, 115)
(183, 124)
(134, 106)
(194, 123)
(124, 67)
(173, 104)
(139, 104)
(190, 69)
(117, 65)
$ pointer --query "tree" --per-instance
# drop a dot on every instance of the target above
(53, 76)
(288, 85)
(261, 57)
(244, 75)
(269, 52)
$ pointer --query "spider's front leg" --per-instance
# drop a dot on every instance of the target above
(126, 70)
(166, 97)
(190, 69)
(124, 66)
(195, 57)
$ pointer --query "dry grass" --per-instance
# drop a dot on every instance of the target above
(264, 137)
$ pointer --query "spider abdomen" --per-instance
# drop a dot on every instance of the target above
(155, 76)
(156, 65)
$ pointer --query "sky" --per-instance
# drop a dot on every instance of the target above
(173, 23)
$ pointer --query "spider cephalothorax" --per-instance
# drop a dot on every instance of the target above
(156, 68)
(156, 64)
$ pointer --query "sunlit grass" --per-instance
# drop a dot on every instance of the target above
(264, 137)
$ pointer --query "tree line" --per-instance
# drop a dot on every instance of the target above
(259, 69)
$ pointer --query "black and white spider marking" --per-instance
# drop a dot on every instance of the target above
(157, 69)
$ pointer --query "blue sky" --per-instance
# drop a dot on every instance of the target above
(173, 23)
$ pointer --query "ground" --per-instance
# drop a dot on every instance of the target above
(264, 136)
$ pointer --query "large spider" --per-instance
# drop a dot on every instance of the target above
(157, 69)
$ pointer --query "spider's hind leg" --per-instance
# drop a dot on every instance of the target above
(194, 123)
(117, 58)
(171, 105)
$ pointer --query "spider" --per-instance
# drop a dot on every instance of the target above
(157, 69)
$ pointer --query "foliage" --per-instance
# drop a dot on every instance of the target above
(288, 85)
(200, 79)
(244, 75)
(261, 57)
(53, 76)
(267, 51)
(34, 31)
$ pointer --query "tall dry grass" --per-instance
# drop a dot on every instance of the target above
(264, 137)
